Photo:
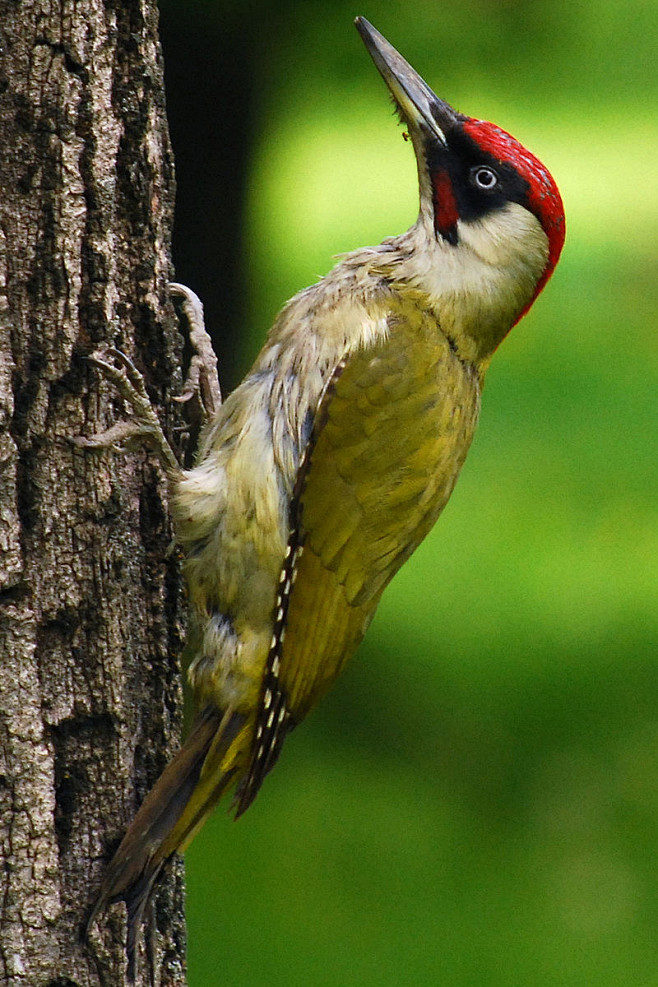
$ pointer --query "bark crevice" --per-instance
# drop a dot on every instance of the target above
(90, 600)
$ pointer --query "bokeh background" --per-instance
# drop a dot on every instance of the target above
(476, 803)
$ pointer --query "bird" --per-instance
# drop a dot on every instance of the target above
(322, 472)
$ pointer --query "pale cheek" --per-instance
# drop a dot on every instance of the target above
(509, 238)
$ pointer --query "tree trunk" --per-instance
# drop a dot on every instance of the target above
(90, 623)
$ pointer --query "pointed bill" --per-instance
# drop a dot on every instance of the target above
(421, 108)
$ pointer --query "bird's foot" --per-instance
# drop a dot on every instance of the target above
(144, 425)
(202, 384)
(200, 391)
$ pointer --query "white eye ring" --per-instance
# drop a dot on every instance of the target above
(484, 178)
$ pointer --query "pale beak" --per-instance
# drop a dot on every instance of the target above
(421, 108)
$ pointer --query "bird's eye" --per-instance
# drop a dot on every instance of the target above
(484, 178)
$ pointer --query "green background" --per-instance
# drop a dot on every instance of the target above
(476, 802)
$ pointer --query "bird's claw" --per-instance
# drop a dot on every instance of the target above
(201, 384)
(202, 381)
(117, 367)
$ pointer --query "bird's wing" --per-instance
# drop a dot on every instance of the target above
(389, 438)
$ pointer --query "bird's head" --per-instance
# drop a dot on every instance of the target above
(485, 200)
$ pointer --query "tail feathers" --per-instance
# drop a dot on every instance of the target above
(172, 812)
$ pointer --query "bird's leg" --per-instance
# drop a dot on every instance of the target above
(201, 384)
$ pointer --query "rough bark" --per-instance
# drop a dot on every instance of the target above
(90, 600)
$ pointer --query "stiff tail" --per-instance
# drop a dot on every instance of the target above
(172, 812)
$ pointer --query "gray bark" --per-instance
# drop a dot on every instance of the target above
(90, 603)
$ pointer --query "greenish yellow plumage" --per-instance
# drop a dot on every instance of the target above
(329, 464)
(393, 431)
(345, 441)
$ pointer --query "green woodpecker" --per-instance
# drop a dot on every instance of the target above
(325, 469)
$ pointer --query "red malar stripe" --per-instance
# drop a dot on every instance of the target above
(445, 204)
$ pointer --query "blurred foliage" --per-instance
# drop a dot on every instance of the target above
(476, 803)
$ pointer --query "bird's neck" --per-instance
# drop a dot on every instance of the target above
(477, 288)
(473, 291)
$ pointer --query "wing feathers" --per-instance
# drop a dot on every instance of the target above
(389, 438)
